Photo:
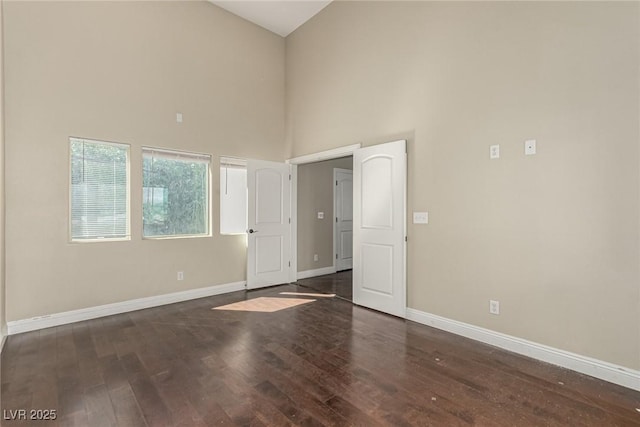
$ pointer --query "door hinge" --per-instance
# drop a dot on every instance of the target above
(289, 177)
(289, 263)
(336, 219)
(336, 256)
(405, 238)
(289, 220)
(336, 182)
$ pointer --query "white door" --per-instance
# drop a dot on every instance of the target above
(343, 218)
(379, 212)
(269, 232)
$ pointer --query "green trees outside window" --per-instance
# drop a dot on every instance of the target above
(175, 196)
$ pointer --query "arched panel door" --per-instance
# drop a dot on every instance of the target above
(379, 227)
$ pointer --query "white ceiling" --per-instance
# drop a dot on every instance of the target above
(280, 17)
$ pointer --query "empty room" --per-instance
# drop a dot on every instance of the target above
(339, 213)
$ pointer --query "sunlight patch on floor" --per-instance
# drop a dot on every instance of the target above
(264, 304)
(308, 294)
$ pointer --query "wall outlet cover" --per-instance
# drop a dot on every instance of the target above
(494, 152)
(494, 307)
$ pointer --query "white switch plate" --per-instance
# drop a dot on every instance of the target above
(494, 152)
(180, 275)
(179, 117)
(315, 257)
(421, 217)
(530, 147)
(320, 215)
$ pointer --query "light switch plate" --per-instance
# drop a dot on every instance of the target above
(530, 147)
(421, 217)
(494, 152)
(178, 117)
(320, 215)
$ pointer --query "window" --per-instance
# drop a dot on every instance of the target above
(99, 190)
(175, 194)
(233, 196)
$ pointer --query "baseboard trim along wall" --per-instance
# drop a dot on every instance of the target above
(317, 272)
(596, 368)
(57, 319)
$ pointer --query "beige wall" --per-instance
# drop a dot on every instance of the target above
(554, 237)
(119, 71)
(315, 194)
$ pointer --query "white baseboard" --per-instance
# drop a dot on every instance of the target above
(616, 374)
(57, 319)
(317, 272)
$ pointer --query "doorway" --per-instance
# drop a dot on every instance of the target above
(324, 232)
(379, 225)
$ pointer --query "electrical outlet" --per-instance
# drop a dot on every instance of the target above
(320, 215)
(180, 275)
(494, 152)
(315, 257)
(494, 307)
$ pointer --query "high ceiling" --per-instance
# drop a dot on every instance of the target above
(280, 17)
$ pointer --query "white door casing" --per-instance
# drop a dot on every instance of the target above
(269, 232)
(379, 227)
(343, 218)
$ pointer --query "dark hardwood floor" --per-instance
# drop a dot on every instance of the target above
(323, 362)
(340, 284)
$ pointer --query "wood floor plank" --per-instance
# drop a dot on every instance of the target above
(324, 363)
(125, 407)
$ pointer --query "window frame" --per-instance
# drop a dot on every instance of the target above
(208, 214)
(127, 147)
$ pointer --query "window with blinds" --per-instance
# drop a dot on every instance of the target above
(99, 190)
(175, 194)
(233, 196)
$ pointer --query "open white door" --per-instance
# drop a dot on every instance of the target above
(269, 232)
(379, 229)
(343, 218)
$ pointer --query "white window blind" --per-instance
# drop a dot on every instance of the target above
(99, 190)
(233, 196)
(175, 194)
